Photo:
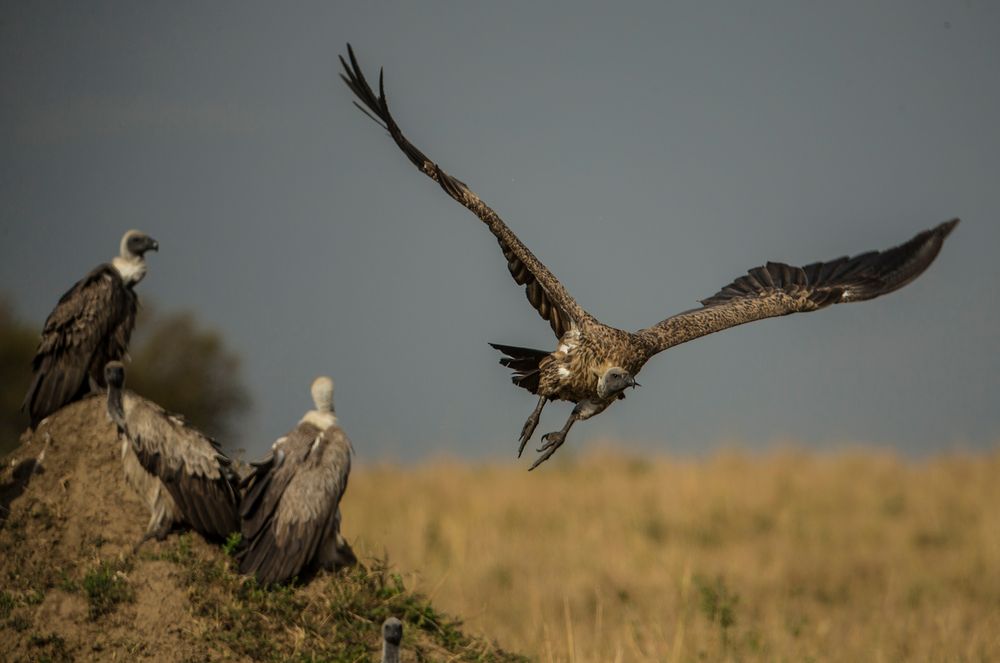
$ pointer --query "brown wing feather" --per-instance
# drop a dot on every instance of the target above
(263, 485)
(190, 464)
(545, 293)
(778, 289)
(290, 506)
(268, 480)
(90, 325)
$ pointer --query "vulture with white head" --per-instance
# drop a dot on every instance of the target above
(90, 326)
(180, 473)
(291, 507)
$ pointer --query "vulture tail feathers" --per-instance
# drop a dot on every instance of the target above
(524, 362)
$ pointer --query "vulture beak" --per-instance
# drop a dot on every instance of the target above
(154, 245)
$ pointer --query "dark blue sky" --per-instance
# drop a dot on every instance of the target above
(647, 153)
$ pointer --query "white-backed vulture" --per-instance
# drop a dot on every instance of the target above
(180, 473)
(595, 363)
(291, 507)
(90, 326)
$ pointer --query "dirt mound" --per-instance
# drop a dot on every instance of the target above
(72, 589)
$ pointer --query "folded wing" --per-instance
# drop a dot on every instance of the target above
(89, 326)
(291, 505)
(190, 464)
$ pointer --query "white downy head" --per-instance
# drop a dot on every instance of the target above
(322, 395)
(130, 261)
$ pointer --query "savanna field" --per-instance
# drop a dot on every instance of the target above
(781, 556)
(600, 556)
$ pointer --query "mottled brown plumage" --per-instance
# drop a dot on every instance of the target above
(90, 326)
(179, 472)
(291, 508)
(594, 363)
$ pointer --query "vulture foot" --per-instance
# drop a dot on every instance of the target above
(530, 424)
(159, 534)
(552, 442)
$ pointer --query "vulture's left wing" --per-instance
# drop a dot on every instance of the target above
(778, 289)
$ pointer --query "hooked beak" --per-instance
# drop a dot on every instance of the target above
(154, 245)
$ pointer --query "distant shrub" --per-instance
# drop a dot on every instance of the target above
(718, 603)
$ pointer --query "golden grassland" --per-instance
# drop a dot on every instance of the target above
(783, 556)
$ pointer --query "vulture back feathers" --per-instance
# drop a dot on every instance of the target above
(90, 326)
(179, 471)
(291, 508)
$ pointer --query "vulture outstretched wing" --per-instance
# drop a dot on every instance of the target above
(778, 289)
(545, 293)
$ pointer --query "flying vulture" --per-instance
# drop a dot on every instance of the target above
(291, 507)
(180, 473)
(594, 363)
(89, 327)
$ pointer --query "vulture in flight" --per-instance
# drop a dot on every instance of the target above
(180, 473)
(594, 363)
(291, 507)
(89, 327)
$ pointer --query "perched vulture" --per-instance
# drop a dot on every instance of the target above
(291, 507)
(595, 363)
(89, 327)
(180, 473)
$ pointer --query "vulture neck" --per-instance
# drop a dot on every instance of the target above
(116, 409)
(390, 652)
(321, 419)
(131, 268)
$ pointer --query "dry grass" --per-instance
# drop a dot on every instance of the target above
(782, 557)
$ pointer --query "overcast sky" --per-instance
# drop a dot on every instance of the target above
(647, 153)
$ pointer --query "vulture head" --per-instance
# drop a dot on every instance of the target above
(614, 382)
(322, 393)
(114, 374)
(130, 262)
(392, 631)
(322, 416)
(135, 243)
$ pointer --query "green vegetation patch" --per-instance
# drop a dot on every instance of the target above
(718, 604)
(335, 617)
(106, 586)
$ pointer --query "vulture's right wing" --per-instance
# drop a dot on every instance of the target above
(545, 293)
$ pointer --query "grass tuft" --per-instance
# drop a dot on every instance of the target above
(718, 604)
(6, 604)
(232, 543)
(106, 586)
